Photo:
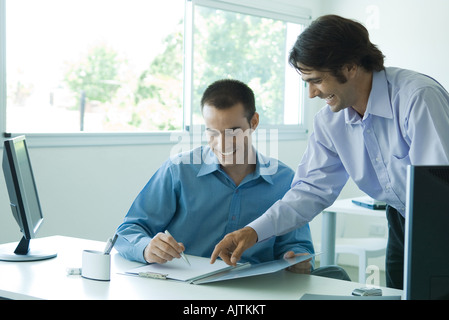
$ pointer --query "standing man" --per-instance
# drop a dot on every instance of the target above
(376, 122)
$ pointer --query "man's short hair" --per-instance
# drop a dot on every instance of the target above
(331, 42)
(226, 93)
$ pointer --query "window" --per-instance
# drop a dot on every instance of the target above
(111, 66)
(94, 65)
(235, 41)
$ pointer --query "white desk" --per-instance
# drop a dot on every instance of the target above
(48, 280)
(329, 222)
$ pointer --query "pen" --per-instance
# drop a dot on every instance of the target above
(182, 253)
(110, 244)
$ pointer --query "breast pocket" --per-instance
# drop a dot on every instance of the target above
(397, 170)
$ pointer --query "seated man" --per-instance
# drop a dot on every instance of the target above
(201, 195)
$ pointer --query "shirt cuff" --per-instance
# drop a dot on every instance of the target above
(139, 248)
(263, 227)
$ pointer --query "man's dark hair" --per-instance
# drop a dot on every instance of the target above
(331, 42)
(226, 93)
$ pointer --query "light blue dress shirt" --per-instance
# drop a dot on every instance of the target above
(199, 204)
(406, 122)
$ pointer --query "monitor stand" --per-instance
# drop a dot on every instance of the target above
(23, 252)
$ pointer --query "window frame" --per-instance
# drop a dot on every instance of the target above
(264, 8)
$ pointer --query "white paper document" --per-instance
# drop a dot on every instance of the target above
(201, 271)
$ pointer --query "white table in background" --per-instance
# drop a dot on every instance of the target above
(329, 223)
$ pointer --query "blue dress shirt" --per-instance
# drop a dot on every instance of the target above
(406, 122)
(193, 198)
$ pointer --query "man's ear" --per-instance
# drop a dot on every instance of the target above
(254, 121)
(350, 70)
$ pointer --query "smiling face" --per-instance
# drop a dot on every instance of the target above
(338, 95)
(229, 134)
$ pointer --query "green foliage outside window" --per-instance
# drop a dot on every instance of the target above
(226, 45)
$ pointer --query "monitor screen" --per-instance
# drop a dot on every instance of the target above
(24, 199)
(426, 265)
(21, 186)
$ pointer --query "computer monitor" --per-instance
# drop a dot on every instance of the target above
(426, 264)
(24, 200)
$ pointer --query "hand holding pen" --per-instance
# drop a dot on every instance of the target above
(182, 253)
(162, 248)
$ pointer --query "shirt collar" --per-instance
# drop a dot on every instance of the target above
(211, 164)
(265, 166)
(378, 102)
